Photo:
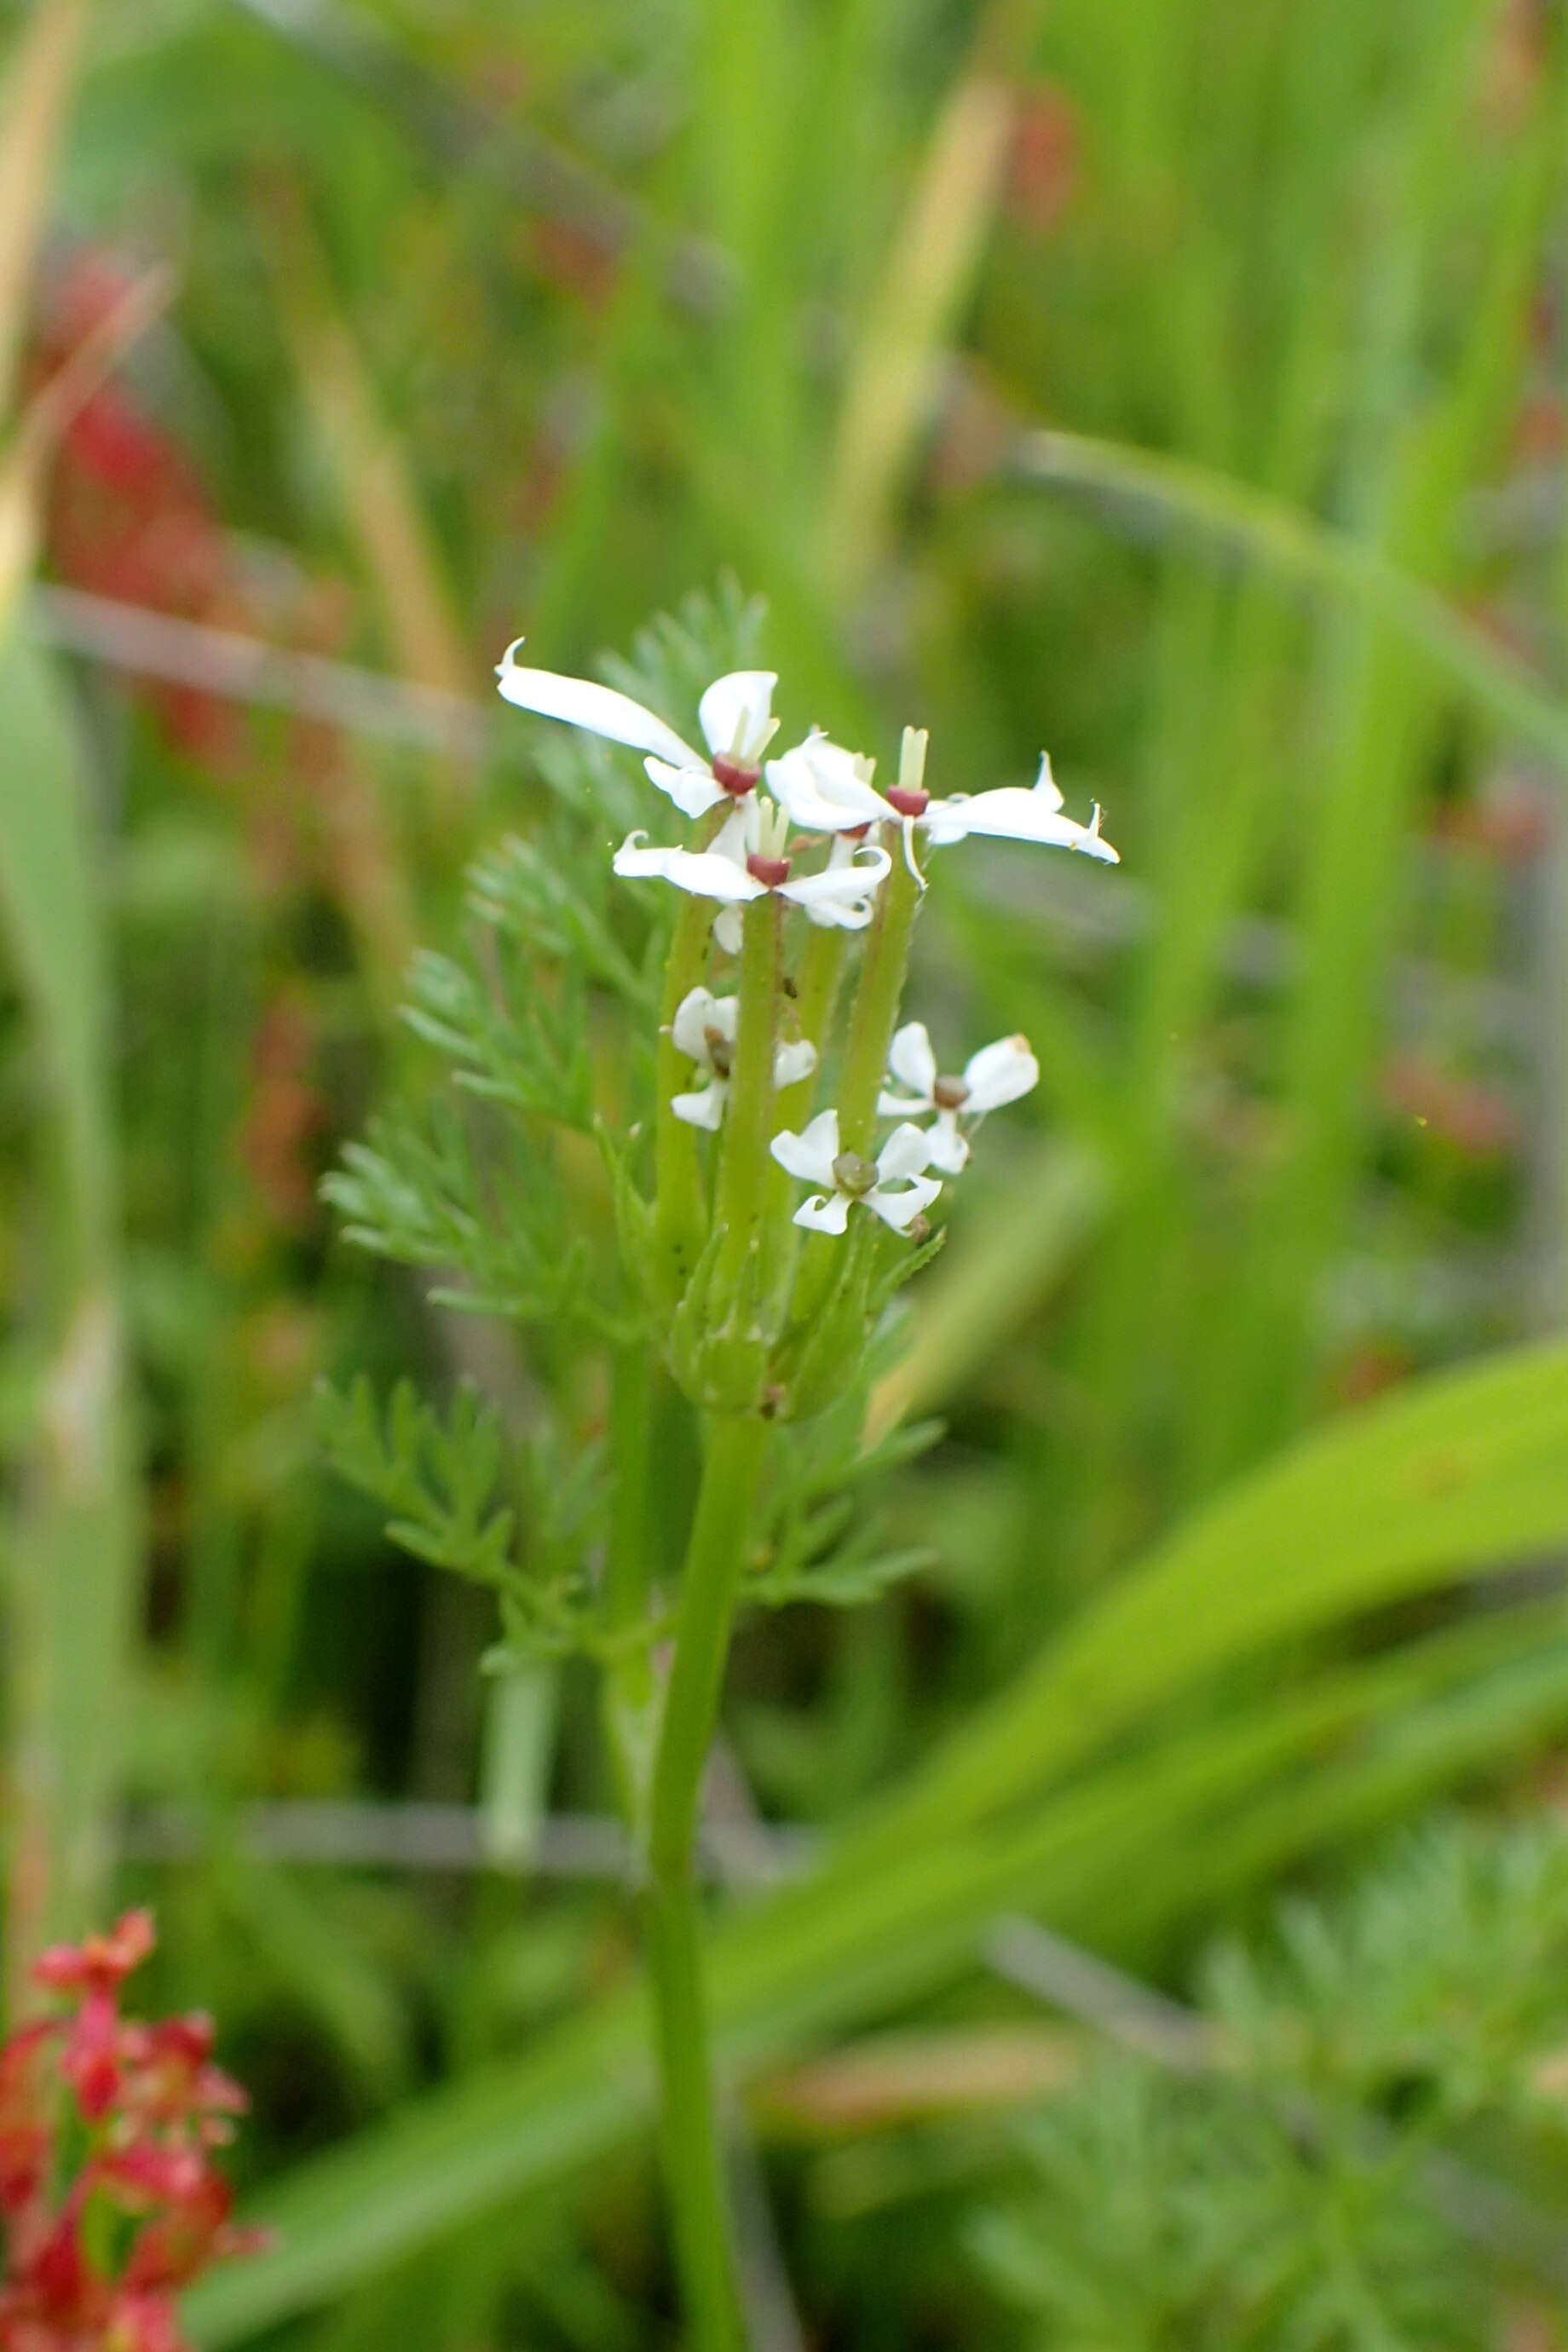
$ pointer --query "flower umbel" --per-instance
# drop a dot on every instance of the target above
(893, 1186)
(735, 716)
(704, 1030)
(749, 857)
(997, 1074)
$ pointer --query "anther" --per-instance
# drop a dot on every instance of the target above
(719, 1050)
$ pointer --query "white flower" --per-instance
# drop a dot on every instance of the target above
(1010, 813)
(747, 859)
(998, 1074)
(735, 714)
(845, 1177)
(826, 788)
(703, 1030)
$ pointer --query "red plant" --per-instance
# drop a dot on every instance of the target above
(108, 2195)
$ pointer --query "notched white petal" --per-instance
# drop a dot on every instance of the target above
(703, 1108)
(824, 1213)
(810, 1154)
(900, 1209)
(907, 1152)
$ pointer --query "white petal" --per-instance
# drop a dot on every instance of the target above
(694, 1016)
(891, 1106)
(999, 1074)
(599, 709)
(794, 1062)
(910, 1058)
(703, 1108)
(824, 1213)
(810, 1154)
(900, 1209)
(906, 1153)
(949, 1151)
(824, 788)
(701, 871)
(1009, 813)
(727, 930)
(846, 885)
(692, 790)
(741, 703)
(839, 914)
(1046, 784)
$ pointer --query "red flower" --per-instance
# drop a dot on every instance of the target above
(137, 2108)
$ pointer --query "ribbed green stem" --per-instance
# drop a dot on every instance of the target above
(733, 1446)
(876, 1013)
(689, 2138)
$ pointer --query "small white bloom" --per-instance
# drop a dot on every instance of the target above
(735, 715)
(1011, 813)
(704, 1030)
(997, 1074)
(748, 858)
(894, 1186)
(826, 788)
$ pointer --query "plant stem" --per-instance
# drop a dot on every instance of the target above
(876, 1013)
(733, 1446)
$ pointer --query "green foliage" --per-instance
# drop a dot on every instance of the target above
(440, 1478)
(1294, 2183)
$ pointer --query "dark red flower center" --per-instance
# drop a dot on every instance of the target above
(907, 802)
(736, 777)
(949, 1094)
(770, 872)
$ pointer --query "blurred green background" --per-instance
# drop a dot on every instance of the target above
(1176, 383)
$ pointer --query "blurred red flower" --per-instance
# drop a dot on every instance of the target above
(107, 2127)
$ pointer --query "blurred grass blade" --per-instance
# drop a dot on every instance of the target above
(369, 464)
(1294, 546)
(70, 1570)
(1452, 1475)
(927, 279)
(39, 86)
(994, 1283)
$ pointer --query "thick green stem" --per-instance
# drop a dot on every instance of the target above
(876, 1013)
(689, 2138)
(733, 1446)
(744, 1169)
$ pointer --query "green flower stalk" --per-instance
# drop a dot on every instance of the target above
(797, 886)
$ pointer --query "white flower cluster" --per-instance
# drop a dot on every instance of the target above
(818, 798)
